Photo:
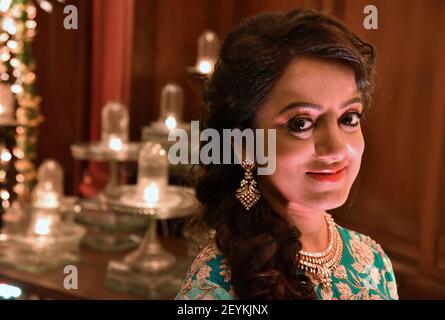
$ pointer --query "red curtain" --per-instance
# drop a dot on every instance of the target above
(111, 74)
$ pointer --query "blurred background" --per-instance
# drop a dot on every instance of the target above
(128, 50)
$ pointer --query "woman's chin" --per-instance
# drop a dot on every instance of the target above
(328, 200)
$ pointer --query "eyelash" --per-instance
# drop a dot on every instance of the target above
(288, 124)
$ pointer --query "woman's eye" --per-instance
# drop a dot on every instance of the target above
(351, 119)
(299, 124)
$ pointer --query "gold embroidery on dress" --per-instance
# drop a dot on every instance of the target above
(362, 279)
(201, 271)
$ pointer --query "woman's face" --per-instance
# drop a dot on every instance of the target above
(315, 108)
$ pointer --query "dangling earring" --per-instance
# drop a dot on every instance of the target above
(248, 193)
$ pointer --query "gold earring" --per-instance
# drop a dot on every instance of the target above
(248, 193)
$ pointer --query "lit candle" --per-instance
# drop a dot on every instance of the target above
(170, 122)
(115, 125)
(115, 144)
(151, 195)
(49, 190)
(208, 48)
(205, 67)
(172, 104)
(42, 226)
(152, 174)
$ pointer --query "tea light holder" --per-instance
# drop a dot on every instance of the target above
(105, 230)
(208, 49)
(114, 146)
(148, 269)
(171, 115)
(45, 240)
(170, 120)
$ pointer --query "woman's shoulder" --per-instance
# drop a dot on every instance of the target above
(366, 258)
(362, 246)
(209, 276)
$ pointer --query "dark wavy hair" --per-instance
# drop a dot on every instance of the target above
(260, 245)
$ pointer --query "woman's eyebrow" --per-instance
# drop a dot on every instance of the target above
(317, 107)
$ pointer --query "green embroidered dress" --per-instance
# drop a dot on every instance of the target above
(365, 272)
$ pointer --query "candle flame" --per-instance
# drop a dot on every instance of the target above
(151, 194)
(115, 144)
(170, 122)
(43, 225)
(205, 67)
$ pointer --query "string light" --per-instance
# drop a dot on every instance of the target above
(20, 178)
(4, 5)
(17, 32)
(5, 155)
(5, 204)
(9, 26)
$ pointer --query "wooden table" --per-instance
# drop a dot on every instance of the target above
(91, 276)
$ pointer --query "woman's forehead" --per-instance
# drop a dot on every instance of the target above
(314, 77)
(323, 83)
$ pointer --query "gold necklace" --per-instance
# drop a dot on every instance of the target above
(321, 264)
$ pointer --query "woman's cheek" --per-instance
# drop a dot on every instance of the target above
(356, 147)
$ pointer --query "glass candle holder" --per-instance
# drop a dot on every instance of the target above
(208, 48)
(172, 105)
(45, 241)
(152, 179)
(115, 122)
(49, 190)
(47, 198)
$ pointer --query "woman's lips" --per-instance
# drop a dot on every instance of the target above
(328, 177)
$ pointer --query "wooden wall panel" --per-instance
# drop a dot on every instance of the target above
(253, 7)
(397, 123)
(385, 175)
(398, 201)
(165, 44)
(111, 75)
(432, 202)
(112, 30)
(178, 26)
(63, 71)
(143, 73)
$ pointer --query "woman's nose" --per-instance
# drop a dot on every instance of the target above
(330, 144)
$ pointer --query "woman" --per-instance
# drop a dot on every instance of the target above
(310, 78)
